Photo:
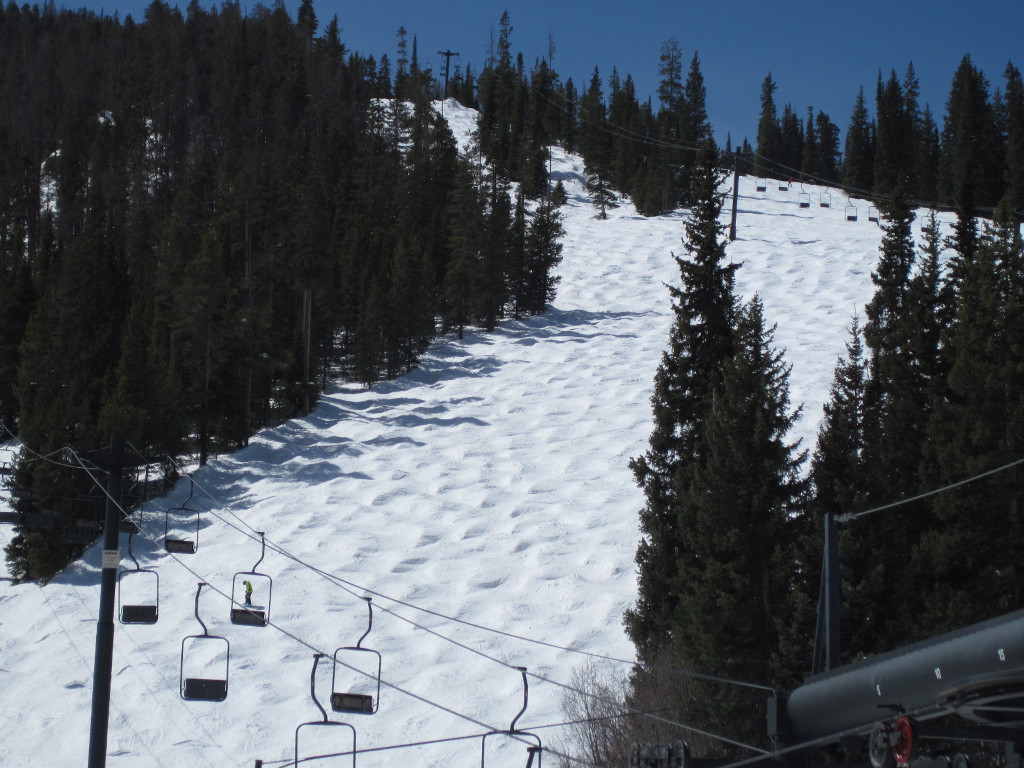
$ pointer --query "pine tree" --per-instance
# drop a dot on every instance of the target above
(792, 142)
(926, 161)
(858, 160)
(700, 341)
(893, 149)
(829, 169)
(1014, 139)
(769, 134)
(839, 481)
(17, 298)
(600, 191)
(970, 169)
(670, 86)
(977, 427)
(594, 140)
(741, 497)
(897, 407)
(543, 254)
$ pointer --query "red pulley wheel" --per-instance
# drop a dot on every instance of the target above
(906, 746)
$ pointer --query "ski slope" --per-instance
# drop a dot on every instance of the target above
(486, 492)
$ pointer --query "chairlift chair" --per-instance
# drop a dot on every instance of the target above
(783, 186)
(325, 722)
(873, 214)
(851, 212)
(143, 592)
(181, 526)
(805, 200)
(243, 612)
(825, 200)
(353, 701)
(204, 688)
(532, 750)
(762, 185)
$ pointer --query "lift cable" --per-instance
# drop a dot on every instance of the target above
(926, 494)
(357, 590)
(346, 586)
(393, 686)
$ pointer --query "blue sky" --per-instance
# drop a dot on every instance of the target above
(819, 53)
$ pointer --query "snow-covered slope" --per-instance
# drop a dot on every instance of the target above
(490, 486)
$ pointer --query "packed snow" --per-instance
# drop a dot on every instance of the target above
(484, 501)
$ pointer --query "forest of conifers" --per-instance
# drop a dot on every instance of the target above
(207, 214)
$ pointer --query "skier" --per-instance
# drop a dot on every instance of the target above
(248, 593)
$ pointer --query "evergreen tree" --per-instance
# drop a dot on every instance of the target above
(741, 497)
(602, 194)
(543, 254)
(970, 165)
(593, 138)
(926, 161)
(896, 404)
(840, 478)
(893, 148)
(977, 427)
(700, 341)
(1014, 139)
(769, 134)
(17, 298)
(829, 169)
(858, 160)
(792, 142)
(810, 159)
(670, 86)
(696, 128)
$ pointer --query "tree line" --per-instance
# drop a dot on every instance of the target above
(974, 158)
(928, 394)
(206, 216)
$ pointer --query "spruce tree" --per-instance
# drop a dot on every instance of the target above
(700, 341)
(977, 427)
(839, 486)
(769, 134)
(829, 169)
(1014, 139)
(17, 298)
(543, 254)
(859, 157)
(893, 150)
(896, 405)
(742, 496)
(970, 169)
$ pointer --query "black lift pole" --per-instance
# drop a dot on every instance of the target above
(447, 60)
(105, 625)
(735, 192)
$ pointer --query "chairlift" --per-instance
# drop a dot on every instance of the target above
(825, 200)
(783, 186)
(805, 200)
(205, 688)
(181, 526)
(872, 214)
(325, 722)
(851, 212)
(762, 185)
(138, 593)
(242, 609)
(353, 701)
(532, 750)
(660, 755)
